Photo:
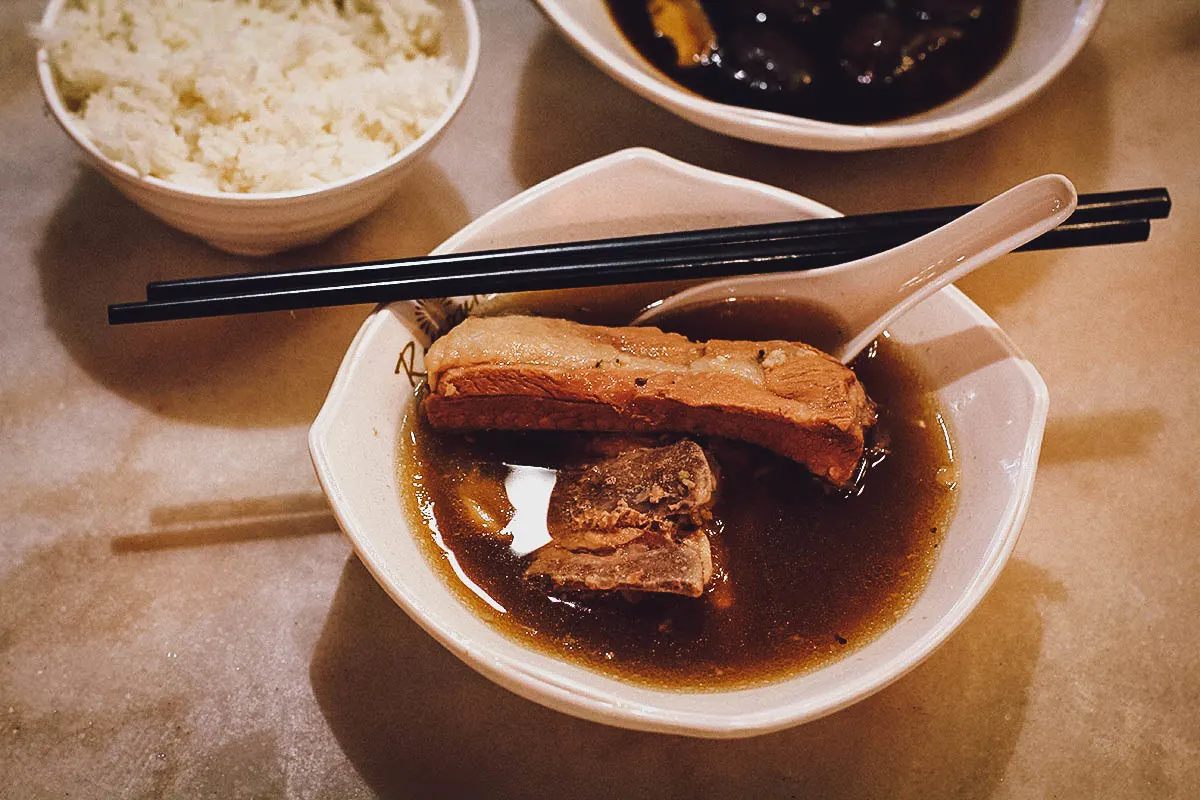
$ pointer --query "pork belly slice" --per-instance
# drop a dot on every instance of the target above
(533, 373)
(631, 522)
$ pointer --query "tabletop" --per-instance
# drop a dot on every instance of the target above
(180, 616)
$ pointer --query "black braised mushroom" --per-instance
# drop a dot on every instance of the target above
(768, 69)
(854, 61)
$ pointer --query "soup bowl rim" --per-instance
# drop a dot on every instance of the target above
(522, 671)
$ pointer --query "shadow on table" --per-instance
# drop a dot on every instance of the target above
(230, 521)
(417, 722)
(1101, 436)
(252, 370)
(1066, 129)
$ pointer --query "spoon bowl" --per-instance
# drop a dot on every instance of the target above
(863, 297)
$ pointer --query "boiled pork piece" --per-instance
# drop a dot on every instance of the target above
(648, 564)
(532, 373)
(663, 489)
(632, 521)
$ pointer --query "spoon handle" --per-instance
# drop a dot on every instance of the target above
(873, 292)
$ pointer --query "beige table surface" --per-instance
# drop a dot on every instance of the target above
(179, 617)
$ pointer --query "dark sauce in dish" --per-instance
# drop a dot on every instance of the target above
(849, 61)
(803, 576)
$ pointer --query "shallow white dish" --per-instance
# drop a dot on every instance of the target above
(995, 401)
(1050, 34)
(262, 223)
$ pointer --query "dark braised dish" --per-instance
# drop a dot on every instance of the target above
(688, 511)
(849, 61)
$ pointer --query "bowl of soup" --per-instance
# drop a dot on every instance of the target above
(818, 589)
(829, 74)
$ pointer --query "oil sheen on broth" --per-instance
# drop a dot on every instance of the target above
(850, 61)
(803, 576)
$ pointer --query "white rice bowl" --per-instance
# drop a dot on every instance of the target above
(251, 95)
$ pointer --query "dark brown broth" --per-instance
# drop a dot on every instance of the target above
(804, 576)
(850, 61)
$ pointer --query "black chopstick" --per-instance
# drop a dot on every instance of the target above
(833, 233)
(661, 266)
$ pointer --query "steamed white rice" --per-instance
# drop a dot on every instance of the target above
(251, 95)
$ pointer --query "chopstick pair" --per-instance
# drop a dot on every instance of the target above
(1104, 218)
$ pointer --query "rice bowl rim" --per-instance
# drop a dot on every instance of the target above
(67, 122)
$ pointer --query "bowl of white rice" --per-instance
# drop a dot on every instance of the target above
(257, 125)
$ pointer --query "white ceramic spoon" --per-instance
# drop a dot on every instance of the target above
(869, 294)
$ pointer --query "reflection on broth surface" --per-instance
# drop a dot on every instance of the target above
(803, 575)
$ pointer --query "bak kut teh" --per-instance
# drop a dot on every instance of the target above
(710, 509)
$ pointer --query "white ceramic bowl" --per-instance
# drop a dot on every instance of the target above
(262, 223)
(1050, 34)
(994, 399)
